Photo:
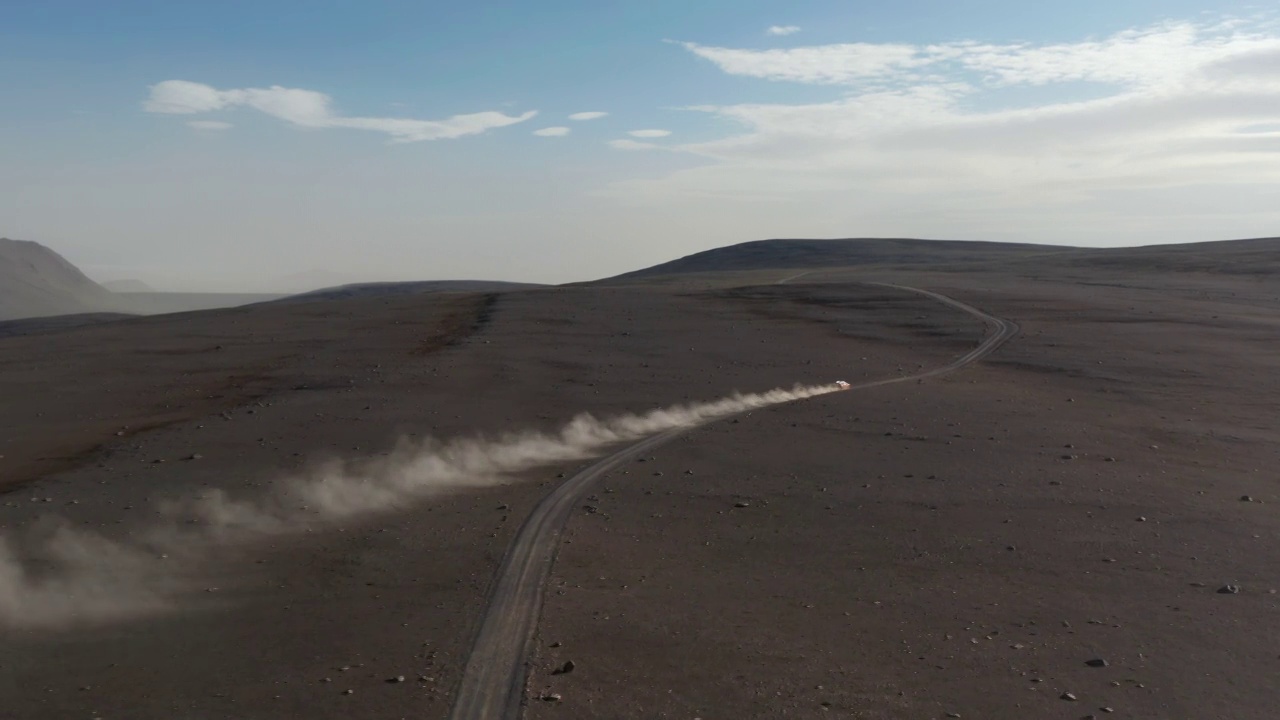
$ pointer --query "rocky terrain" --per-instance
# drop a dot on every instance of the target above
(1077, 526)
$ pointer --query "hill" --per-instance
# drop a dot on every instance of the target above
(1256, 256)
(396, 289)
(803, 254)
(36, 281)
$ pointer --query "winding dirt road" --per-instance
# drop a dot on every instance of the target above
(492, 685)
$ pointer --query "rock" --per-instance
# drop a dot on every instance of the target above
(1097, 662)
(1140, 518)
(742, 504)
(555, 644)
(1229, 590)
(551, 697)
(396, 679)
(564, 669)
(1246, 498)
(1070, 697)
(348, 691)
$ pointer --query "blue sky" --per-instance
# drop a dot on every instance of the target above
(256, 145)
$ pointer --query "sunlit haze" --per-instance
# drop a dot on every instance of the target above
(285, 145)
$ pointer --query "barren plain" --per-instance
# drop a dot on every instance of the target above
(1042, 535)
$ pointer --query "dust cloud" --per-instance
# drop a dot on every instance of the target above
(58, 576)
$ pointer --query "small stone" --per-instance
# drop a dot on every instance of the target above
(1107, 709)
(551, 697)
(564, 669)
(348, 692)
(1070, 697)
(555, 644)
(396, 679)
(1246, 498)
(1140, 518)
(1097, 663)
(1229, 590)
(742, 504)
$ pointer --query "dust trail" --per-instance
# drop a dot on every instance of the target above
(58, 576)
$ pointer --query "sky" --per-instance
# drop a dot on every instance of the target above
(274, 145)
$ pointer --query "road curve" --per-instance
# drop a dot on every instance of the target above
(492, 685)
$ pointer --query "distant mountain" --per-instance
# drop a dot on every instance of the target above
(128, 286)
(36, 282)
(805, 254)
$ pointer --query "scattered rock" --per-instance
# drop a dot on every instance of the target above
(1229, 590)
(742, 504)
(1096, 662)
(1070, 697)
(396, 679)
(550, 697)
(1246, 498)
(555, 644)
(348, 691)
(564, 669)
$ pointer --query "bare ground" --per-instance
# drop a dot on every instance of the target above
(852, 550)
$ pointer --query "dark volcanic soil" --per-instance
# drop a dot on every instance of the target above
(961, 548)
(963, 545)
(263, 393)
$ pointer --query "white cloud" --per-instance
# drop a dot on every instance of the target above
(208, 125)
(782, 30)
(308, 108)
(625, 144)
(1137, 57)
(589, 115)
(552, 132)
(649, 133)
(978, 135)
(823, 64)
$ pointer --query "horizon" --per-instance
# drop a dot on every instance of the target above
(191, 150)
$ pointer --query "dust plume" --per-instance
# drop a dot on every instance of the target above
(59, 576)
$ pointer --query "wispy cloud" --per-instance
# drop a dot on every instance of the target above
(552, 132)
(311, 109)
(625, 144)
(649, 133)
(209, 125)
(782, 30)
(589, 115)
(967, 127)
